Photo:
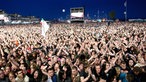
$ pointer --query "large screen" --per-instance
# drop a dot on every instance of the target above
(77, 15)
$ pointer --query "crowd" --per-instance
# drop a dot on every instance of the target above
(91, 52)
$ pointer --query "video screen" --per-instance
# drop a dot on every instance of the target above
(77, 15)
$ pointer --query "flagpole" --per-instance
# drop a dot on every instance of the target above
(125, 10)
(98, 14)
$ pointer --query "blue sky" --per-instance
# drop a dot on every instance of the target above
(52, 9)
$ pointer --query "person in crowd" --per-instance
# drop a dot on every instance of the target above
(7, 70)
(99, 73)
(63, 76)
(75, 74)
(131, 65)
(2, 77)
(57, 68)
(86, 74)
(67, 69)
(12, 77)
(123, 67)
(37, 76)
(116, 75)
(139, 75)
(21, 76)
(52, 77)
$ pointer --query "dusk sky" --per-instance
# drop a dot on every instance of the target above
(52, 9)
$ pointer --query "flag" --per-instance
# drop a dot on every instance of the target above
(125, 4)
(45, 27)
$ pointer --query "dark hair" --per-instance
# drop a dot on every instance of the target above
(112, 74)
(137, 69)
(130, 77)
(61, 73)
(58, 64)
(12, 73)
(74, 67)
(25, 65)
(49, 69)
(68, 70)
(19, 70)
(39, 78)
(123, 62)
(44, 78)
(133, 62)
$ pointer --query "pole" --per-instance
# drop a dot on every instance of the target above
(125, 10)
(98, 14)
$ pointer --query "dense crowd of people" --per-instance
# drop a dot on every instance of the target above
(91, 52)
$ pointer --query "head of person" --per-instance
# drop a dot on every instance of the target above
(55, 59)
(11, 76)
(98, 68)
(37, 74)
(1, 74)
(74, 71)
(131, 63)
(82, 66)
(77, 61)
(67, 69)
(68, 60)
(107, 65)
(113, 74)
(33, 67)
(130, 78)
(7, 70)
(51, 72)
(63, 61)
(56, 67)
(93, 52)
(62, 75)
(24, 68)
(136, 70)
(123, 65)
(20, 74)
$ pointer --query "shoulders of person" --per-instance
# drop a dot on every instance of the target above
(32, 80)
(77, 78)
(143, 77)
(54, 76)
(83, 73)
(68, 79)
(123, 77)
(4, 80)
(49, 80)
(19, 80)
(16, 78)
(26, 78)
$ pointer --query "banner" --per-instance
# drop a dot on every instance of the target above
(45, 27)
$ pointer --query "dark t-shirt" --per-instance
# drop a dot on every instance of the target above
(4, 80)
(84, 74)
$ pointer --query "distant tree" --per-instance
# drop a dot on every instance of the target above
(112, 14)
